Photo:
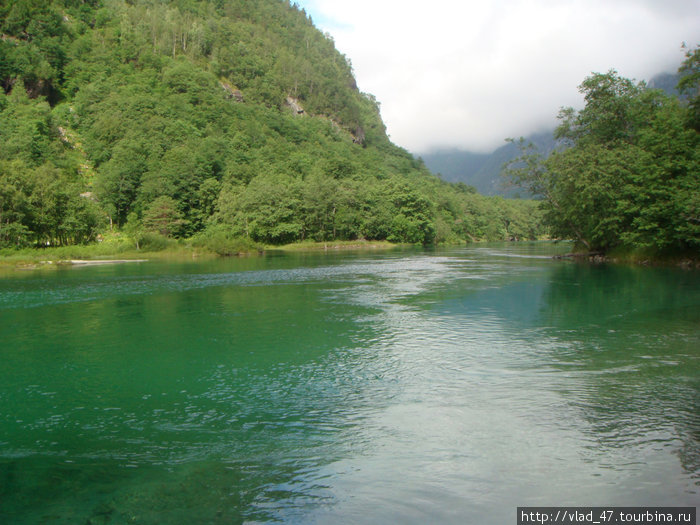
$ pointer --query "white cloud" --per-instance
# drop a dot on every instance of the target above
(468, 74)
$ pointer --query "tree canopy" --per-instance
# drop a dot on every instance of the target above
(626, 174)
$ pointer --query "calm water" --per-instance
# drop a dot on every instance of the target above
(393, 387)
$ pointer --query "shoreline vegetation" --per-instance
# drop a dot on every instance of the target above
(119, 250)
(122, 251)
(622, 181)
(636, 257)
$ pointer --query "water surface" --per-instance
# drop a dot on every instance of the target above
(396, 387)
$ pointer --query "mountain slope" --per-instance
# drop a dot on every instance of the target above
(235, 117)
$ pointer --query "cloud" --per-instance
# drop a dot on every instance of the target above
(468, 74)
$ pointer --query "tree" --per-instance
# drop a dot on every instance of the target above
(412, 221)
(163, 217)
(134, 229)
(689, 85)
(270, 207)
(119, 179)
(320, 205)
(628, 176)
(14, 204)
(612, 113)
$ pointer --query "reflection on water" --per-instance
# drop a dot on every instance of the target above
(404, 387)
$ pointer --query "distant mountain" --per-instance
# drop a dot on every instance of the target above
(456, 165)
(666, 82)
(482, 170)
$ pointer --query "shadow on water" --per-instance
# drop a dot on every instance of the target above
(627, 356)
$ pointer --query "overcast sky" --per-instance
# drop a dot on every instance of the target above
(468, 74)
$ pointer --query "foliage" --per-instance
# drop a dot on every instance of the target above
(162, 216)
(628, 176)
(689, 85)
(153, 242)
(219, 240)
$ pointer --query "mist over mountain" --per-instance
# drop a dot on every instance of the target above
(482, 170)
(666, 82)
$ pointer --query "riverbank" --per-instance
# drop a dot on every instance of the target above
(35, 258)
(314, 246)
(121, 250)
(124, 251)
(636, 257)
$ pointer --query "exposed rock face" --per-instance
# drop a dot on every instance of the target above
(294, 104)
(359, 136)
(231, 92)
(37, 88)
(8, 83)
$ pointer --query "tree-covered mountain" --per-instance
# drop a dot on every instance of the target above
(232, 118)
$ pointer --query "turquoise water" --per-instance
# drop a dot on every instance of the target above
(406, 386)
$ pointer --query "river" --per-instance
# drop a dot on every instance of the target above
(403, 386)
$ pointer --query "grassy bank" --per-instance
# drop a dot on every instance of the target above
(37, 257)
(334, 245)
(652, 257)
(116, 246)
(160, 248)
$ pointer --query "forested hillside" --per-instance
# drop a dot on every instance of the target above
(229, 118)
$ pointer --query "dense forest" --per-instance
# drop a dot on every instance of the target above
(213, 119)
(626, 175)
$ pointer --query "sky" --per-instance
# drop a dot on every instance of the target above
(468, 74)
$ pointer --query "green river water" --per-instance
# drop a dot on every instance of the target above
(404, 386)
